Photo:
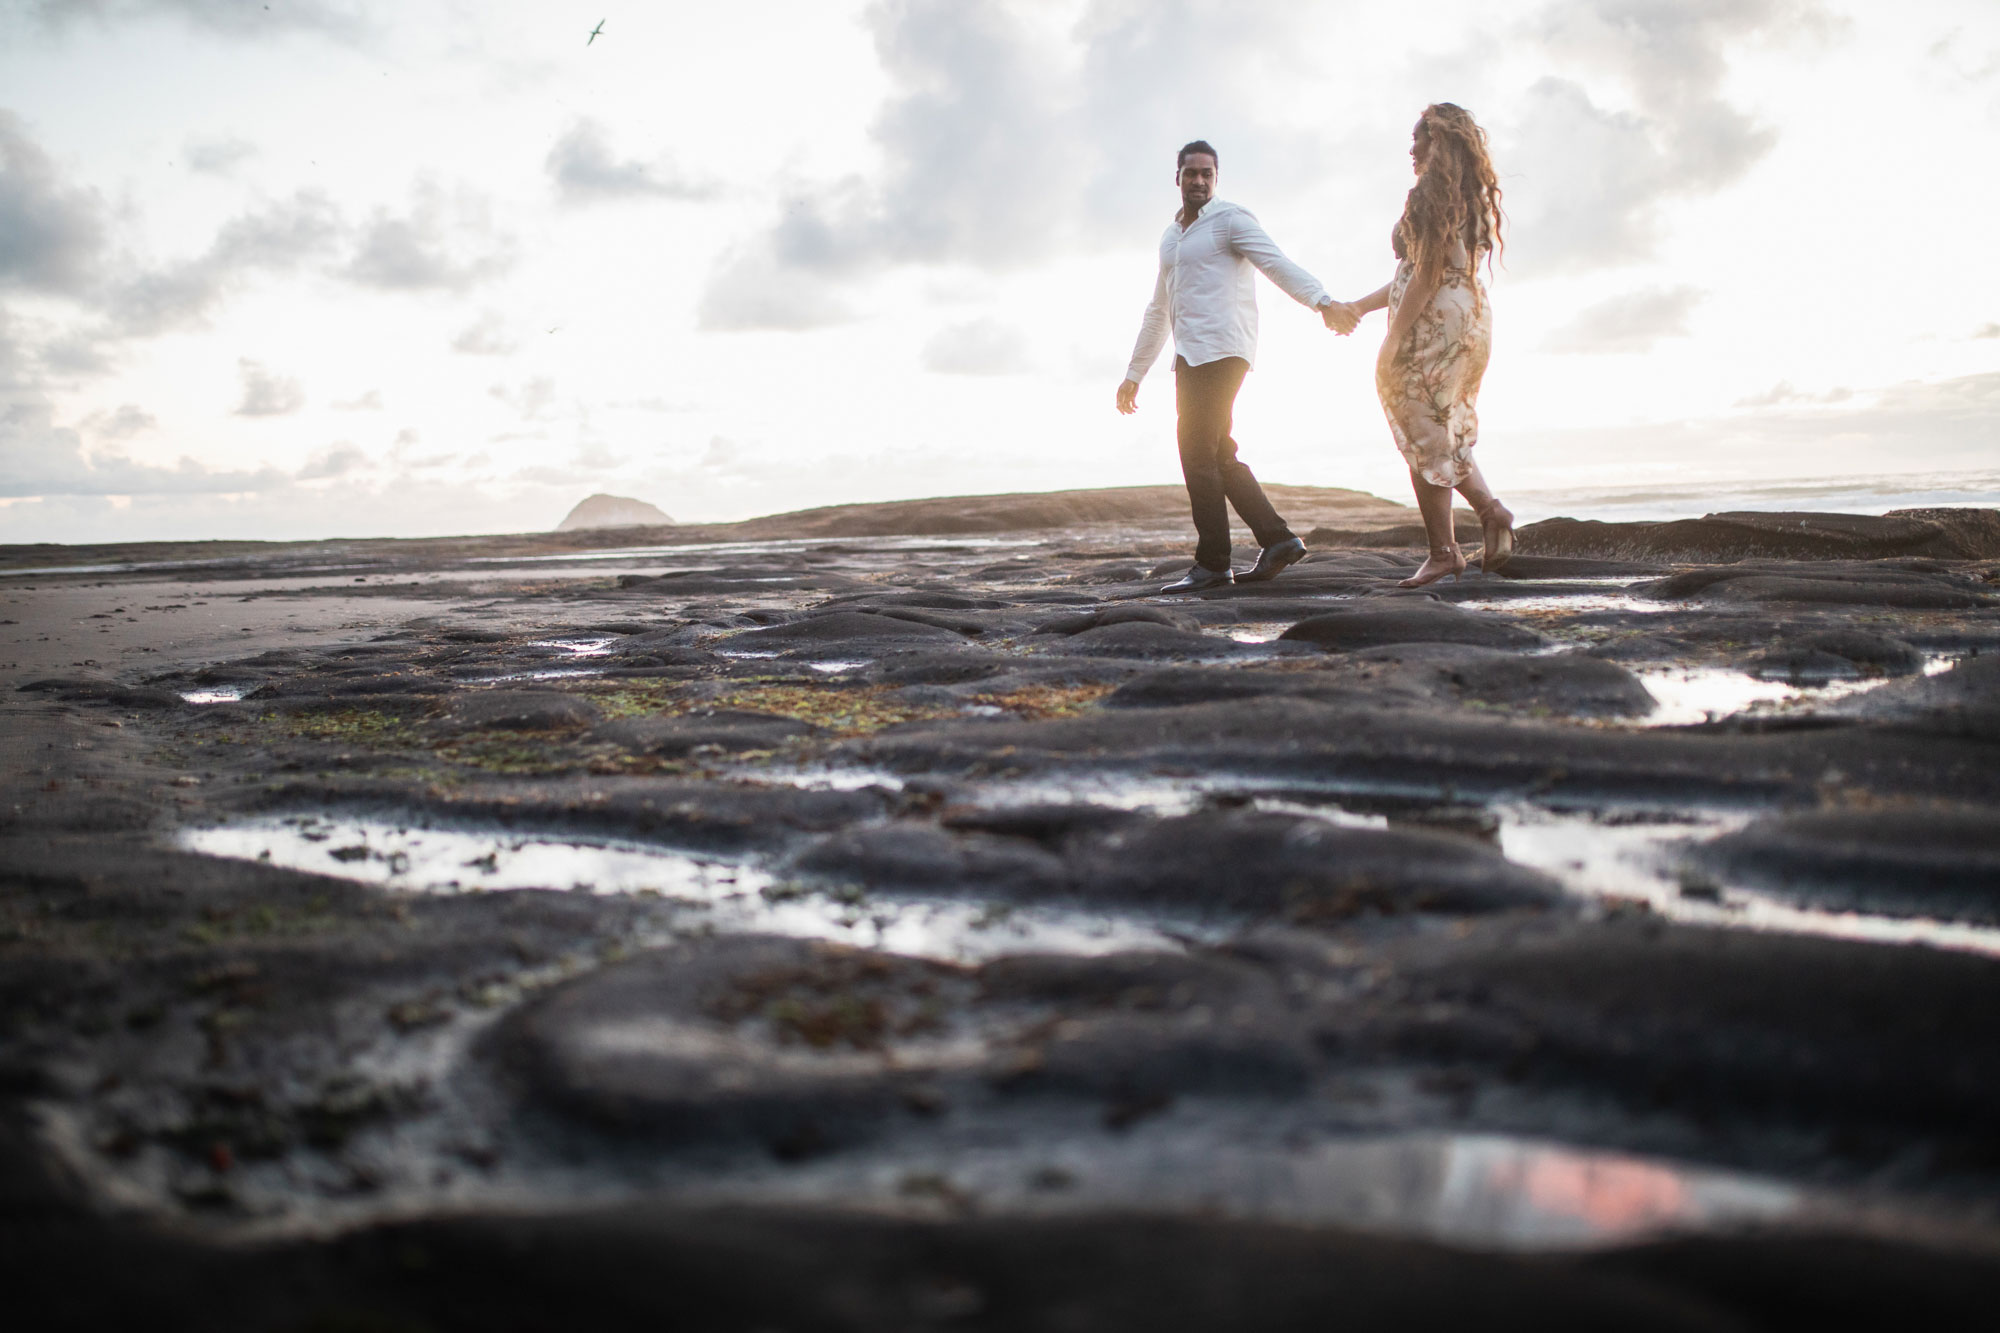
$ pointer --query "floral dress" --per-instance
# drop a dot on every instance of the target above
(1431, 395)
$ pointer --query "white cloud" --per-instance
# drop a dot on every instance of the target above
(218, 155)
(266, 393)
(982, 347)
(336, 460)
(50, 232)
(1631, 322)
(585, 170)
(485, 336)
(442, 243)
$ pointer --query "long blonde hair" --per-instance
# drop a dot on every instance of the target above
(1456, 198)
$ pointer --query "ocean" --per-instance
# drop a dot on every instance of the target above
(1843, 495)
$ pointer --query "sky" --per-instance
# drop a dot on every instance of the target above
(322, 268)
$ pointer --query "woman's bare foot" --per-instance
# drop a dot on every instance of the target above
(1496, 529)
(1442, 561)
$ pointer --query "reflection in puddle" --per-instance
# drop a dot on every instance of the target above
(593, 646)
(221, 694)
(1259, 631)
(1559, 602)
(1641, 860)
(729, 895)
(1691, 695)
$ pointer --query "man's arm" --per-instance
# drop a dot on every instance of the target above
(1152, 338)
(1248, 239)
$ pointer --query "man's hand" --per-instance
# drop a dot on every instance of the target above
(1128, 397)
(1340, 317)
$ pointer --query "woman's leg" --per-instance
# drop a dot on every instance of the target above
(1434, 503)
(1496, 523)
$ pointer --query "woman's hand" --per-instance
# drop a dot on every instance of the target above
(1340, 317)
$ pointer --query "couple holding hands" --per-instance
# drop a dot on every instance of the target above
(1428, 372)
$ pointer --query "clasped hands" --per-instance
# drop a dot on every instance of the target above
(1340, 316)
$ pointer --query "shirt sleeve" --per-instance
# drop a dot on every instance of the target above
(1152, 331)
(1248, 239)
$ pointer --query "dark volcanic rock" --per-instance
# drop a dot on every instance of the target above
(1119, 614)
(1305, 869)
(1571, 684)
(1138, 1028)
(521, 710)
(1836, 655)
(803, 1046)
(1945, 534)
(796, 1045)
(1961, 702)
(840, 627)
(721, 729)
(1720, 1022)
(920, 857)
(1373, 622)
(1893, 587)
(1942, 863)
(1146, 640)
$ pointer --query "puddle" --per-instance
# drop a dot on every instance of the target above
(1259, 631)
(1578, 602)
(734, 896)
(221, 694)
(1638, 859)
(551, 673)
(841, 665)
(595, 646)
(1691, 695)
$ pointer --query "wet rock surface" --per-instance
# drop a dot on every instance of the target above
(877, 927)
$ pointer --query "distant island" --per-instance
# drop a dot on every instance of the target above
(613, 511)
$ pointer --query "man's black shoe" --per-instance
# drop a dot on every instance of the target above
(1274, 558)
(1200, 578)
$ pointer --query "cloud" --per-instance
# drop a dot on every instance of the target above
(50, 233)
(367, 402)
(38, 458)
(249, 19)
(1007, 140)
(531, 399)
(266, 394)
(751, 288)
(1587, 182)
(439, 245)
(336, 460)
(280, 238)
(1782, 394)
(122, 424)
(1632, 322)
(1989, 330)
(485, 336)
(217, 156)
(982, 347)
(584, 170)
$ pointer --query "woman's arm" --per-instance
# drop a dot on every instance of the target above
(1416, 299)
(1372, 302)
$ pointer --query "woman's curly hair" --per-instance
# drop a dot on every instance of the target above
(1456, 197)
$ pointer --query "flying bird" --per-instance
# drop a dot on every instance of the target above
(593, 33)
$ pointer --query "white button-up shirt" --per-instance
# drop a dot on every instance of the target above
(1206, 292)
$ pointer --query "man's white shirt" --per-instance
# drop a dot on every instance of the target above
(1206, 293)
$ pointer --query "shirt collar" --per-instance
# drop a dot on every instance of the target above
(1206, 209)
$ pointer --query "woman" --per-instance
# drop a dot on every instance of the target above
(1440, 332)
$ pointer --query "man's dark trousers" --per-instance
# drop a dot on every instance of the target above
(1205, 398)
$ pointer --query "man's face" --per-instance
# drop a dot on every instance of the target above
(1197, 179)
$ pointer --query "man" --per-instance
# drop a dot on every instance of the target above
(1206, 294)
